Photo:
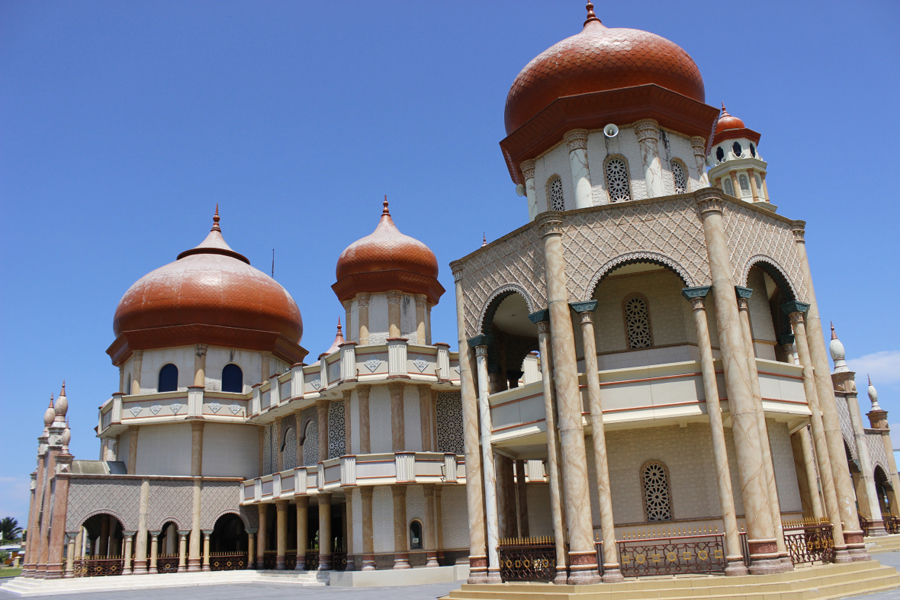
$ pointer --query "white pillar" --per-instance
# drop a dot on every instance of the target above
(528, 171)
(647, 131)
(487, 459)
(576, 140)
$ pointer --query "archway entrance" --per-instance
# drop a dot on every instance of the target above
(103, 547)
(228, 544)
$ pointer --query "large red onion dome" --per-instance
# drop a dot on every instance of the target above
(387, 260)
(210, 295)
(598, 76)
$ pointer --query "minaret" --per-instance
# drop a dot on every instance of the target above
(735, 164)
(837, 353)
(877, 416)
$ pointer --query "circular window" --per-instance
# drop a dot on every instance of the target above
(736, 148)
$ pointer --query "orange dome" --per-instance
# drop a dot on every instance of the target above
(211, 295)
(601, 76)
(730, 127)
(387, 260)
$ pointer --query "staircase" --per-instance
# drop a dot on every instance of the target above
(885, 543)
(803, 583)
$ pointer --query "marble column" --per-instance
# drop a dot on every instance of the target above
(133, 433)
(430, 527)
(426, 418)
(350, 545)
(734, 555)
(796, 311)
(398, 422)
(393, 298)
(853, 535)
(280, 533)
(812, 478)
(362, 395)
(262, 535)
(421, 302)
(522, 498)
(612, 572)
(154, 552)
(127, 568)
(469, 401)
(647, 131)
(251, 547)
(324, 532)
(846, 382)
(698, 146)
(200, 365)
(302, 508)
(760, 530)
(542, 320)
(137, 360)
(55, 568)
(487, 460)
(743, 299)
(576, 141)
(206, 533)
(368, 539)
(439, 521)
(182, 550)
(140, 550)
(322, 424)
(348, 311)
(527, 167)
(582, 553)
(34, 510)
(362, 301)
(504, 470)
(103, 541)
(401, 543)
(196, 473)
(70, 556)
(348, 430)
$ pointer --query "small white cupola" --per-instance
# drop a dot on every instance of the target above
(735, 163)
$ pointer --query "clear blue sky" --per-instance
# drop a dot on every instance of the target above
(123, 123)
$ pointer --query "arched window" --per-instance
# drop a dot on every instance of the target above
(745, 184)
(679, 178)
(637, 321)
(657, 498)
(729, 189)
(289, 449)
(555, 194)
(617, 180)
(232, 379)
(168, 379)
(759, 187)
(415, 535)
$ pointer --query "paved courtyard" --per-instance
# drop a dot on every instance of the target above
(268, 590)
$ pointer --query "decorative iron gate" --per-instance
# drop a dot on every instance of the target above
(809, 541)
(690, 550)
(98, 567)
(527, 559)
(290, 560)
(228, 561)
(312, 560)
(167, 563)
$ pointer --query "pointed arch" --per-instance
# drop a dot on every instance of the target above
(774, 270)
(629, 258)
(496, 297)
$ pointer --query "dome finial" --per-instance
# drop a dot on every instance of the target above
(590, 14)
(215, 226)
(483, 240)
(833, 334)
(385, 211)
(339, 325)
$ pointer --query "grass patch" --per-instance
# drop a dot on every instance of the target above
(10, 571)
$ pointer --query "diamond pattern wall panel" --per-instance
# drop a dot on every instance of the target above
(877, 455)
(216, 499)
(88, 497)
(170, 501)
(843, 412)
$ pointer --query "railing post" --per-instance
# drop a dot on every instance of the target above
(449, 467)
(443, 361)
(348, 470)
(348, 362)
(116, 410)
(257, 489)
(195, 401)
(397, 358)
(301, 479)
(297, 381)
(255, 402)
(276, 485)
(320, 479)
(405, 465)
(274, 391)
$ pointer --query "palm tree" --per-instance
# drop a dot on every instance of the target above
(9, 529)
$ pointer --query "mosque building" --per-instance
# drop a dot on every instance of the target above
(643, 359)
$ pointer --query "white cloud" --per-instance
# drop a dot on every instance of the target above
(883, 367)
(14, 497)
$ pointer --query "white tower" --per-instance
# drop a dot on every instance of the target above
(735, 163)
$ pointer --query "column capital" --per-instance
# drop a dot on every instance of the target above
(576, 139)
(693, 293)
(540, 316)
(527, 167)
(456, 267)
(549, 224)
(131, 533)
(251, 530)
(480, 341)
(396, 387)
(646, 128)
(366, 492)
(206, 532)
(363, 299)
(709, 200)
(155, 533)
(588, 306)
(798, 228)
(394, 296)
(794, 307)
(420, 300)
(698, 145)
(743, 292)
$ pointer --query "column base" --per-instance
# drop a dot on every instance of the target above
(54, 572)
(787, 562)
(324, 562)
(69, 575)
(876, 529)
(153, 570)
(735, 567)
(842, 554)
(301, 562)
(401, 561)
(139, 568)
(127, 571)
(477, 569)
(193, 565)
(181, 569)
(562, 576)
(368, 562)
(431, 559)
(279, 563)
(583, 568)
(206, 568)
(612, 574)
(493, 576)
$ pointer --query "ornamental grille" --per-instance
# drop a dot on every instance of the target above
(556, 195)
(656, 492)
(336, 437)
(637, 323)
(290, 449)
(311, 443)
(617, 181)
(729, 189)
(273, 464)
(267, 449)
(679, 178)
(745, 184)
(448, 410)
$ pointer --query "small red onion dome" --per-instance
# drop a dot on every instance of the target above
(211, 295)
(602, 75)
(387, 260)
(730, 127)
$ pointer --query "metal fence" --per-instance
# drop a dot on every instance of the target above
(527, 559)
(672, 551)
(809, 540)
(227, 561)
(91, 566)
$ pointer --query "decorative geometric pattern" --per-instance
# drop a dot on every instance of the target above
(843, 412)
(555, 193)
(420, 364)
(617, 181)
(877, 455)
(155, 409)
(235, 408)
(336, 439)
(175, 406)
(218, 498)
(311, 437)
(170, 501)
(316, 383)
(273, 466)
(88, 497)
(372, 364)
(290, 449)
(214, 406)
(267, 449)
(752, 235)
(637, 323)
(745, 184)
(135, 410)
(678, 178)
(450, 436)
(729, 189)
(655, 479)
